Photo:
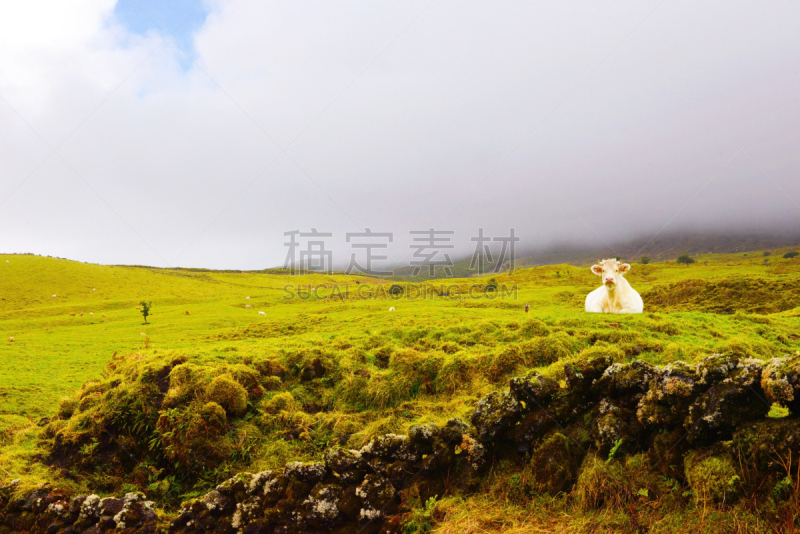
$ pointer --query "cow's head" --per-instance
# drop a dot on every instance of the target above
(610, 271)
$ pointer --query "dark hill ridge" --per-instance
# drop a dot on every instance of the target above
(660, 248)
(614, 434)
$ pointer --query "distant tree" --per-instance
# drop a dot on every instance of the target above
(396, 289)
(146, 309)
(644, 260)
(791, 255)
(685, 259)
(491, 285)
(767, 253)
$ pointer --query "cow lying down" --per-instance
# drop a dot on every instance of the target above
(615, 295)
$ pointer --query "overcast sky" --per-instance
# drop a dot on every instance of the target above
(178, 133)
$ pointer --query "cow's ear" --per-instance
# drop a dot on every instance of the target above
(624, 268)
(597, 269)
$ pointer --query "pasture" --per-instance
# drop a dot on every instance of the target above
(347, 367)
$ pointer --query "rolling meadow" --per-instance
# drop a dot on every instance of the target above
(94, 400)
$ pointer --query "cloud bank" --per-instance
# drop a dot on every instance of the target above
(571, 121)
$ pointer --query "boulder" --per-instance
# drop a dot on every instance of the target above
(671, 392)
(780, 381)
(734, 396)
(495, 414)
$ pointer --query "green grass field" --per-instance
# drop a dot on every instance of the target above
(427, 361)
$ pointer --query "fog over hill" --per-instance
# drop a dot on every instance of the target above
(658, 248)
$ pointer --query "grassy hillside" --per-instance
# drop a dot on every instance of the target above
(337, 367)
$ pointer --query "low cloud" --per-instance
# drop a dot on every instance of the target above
(578, 122)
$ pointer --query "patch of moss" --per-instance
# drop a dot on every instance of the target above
(229, 394)
(712, 478)
(554, 463)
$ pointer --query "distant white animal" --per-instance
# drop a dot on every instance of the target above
(247, 298)
(11, 339)
(104, 315)
(615, 295)
(54, 296)
(247, 306)
(262, 313)
(391, 309)
(142, 334)
(93, 289)
(91, 314)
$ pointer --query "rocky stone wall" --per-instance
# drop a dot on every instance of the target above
(691, 421)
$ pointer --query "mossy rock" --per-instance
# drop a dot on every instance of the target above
(766, 448)
(229, 394)
(214, 415)
(495, 414)
(590, 366)
(734, 397)
(712, 477)
(554, 463)
(534, 389)
(780, 380)
(671, 392)
(614, 425)
(622, 379)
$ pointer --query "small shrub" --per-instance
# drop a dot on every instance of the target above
(685, 259)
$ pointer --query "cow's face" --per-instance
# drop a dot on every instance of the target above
(610, 272)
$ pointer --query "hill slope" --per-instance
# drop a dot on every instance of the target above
(333, 366)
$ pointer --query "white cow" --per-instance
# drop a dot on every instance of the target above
(262, 313)
(391, 309)
(247, 306)
(615, 295)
